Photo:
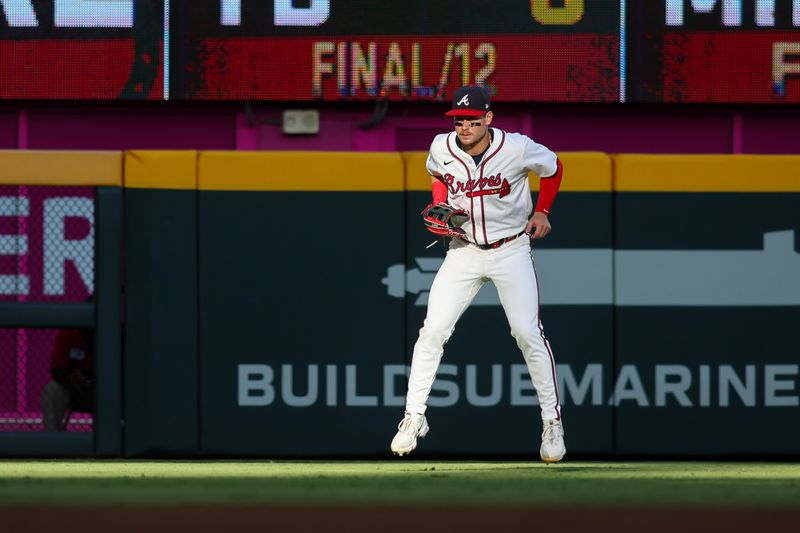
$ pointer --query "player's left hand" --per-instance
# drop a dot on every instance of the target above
(444, 220)
(538, 226)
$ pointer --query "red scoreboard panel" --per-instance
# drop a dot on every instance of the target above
(79, 49)
(525, 50)
(703, 51)
(742, 51)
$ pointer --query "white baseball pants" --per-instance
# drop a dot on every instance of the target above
(464, 271)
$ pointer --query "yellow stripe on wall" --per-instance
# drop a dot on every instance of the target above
(416, 175)
(300, 171)
(54, 167)
(583, 171)
(706, 173)
(384, 171)
(161, 169)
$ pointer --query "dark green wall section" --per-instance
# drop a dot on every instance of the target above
(257, 328)
(108, 305)
(280, 324)
(305, 335)
(161, 336)
(290, 284)
(708, 358)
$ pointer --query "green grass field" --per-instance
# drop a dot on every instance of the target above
(684, 484)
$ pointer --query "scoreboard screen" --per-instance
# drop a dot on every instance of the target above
(79, 49)
(414, 49)
(706, 51)
(714, 51)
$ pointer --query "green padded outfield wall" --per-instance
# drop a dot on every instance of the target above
(161, 336)
(707, 294)
(307, 314)
(297, 333)
(267, 319)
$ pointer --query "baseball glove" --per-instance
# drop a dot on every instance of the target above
(444, 220)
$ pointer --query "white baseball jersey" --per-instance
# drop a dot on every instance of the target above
(496, 192)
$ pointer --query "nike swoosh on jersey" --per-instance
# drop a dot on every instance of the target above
(448, 162)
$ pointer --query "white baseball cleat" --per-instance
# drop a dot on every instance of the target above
(553, 449)
(411, 427)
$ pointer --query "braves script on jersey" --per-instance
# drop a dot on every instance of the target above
(496, 193)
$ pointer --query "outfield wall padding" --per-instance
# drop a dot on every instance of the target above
(317, 327)
(272, 299)
(707, 301)
(295, 326)
(161, 371)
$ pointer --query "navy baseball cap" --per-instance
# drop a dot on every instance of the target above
(470, 101)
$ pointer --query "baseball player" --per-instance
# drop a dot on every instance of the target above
(484, 171)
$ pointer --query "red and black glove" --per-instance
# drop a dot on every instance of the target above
(444, 220)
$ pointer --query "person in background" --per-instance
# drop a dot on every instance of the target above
(72, 386)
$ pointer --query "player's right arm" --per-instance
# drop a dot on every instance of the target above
(438, 188)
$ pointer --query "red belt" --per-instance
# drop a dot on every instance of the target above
(496, 244)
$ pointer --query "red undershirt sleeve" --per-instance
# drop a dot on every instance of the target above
(548, 189)
(439, 190)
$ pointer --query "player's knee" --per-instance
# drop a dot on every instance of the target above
(529, 341)
(434, 335)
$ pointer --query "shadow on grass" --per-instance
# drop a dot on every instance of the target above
(436, 487)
